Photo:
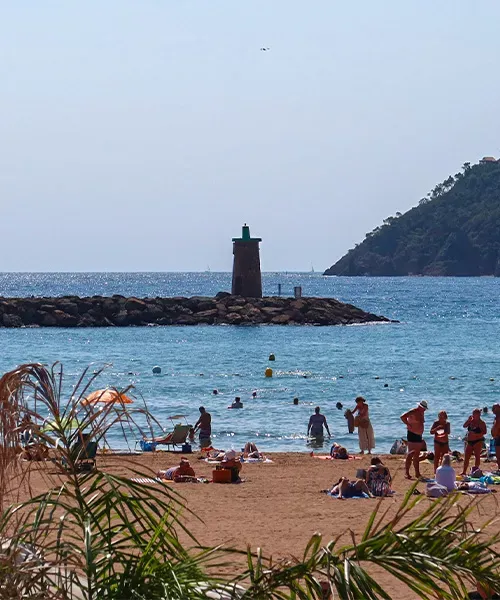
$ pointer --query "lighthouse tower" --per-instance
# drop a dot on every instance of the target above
(247, 280)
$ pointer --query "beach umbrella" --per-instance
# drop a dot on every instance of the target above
(107, 396)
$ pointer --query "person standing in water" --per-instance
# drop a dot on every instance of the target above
(363, 423)
(316, 423)
(440, 430)
(204, 425)
(414, 420)
(476, 430)
(495, 431)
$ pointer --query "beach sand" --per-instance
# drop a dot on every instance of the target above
(278, 506)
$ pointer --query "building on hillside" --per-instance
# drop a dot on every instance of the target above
(487, 159)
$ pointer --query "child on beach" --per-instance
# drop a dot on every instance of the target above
(440, 430)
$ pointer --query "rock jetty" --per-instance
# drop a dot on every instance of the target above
(118, 311)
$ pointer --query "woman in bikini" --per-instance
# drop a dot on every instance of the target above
(476, 430)
(495, 431)
(414, 421)
(440, 430)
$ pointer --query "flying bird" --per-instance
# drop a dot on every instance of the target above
(264, 49)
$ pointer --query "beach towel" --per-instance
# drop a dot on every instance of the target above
(490, 478)
(150, 480)
(257, 460)
(436, 490)
(321, 457)
(475, 487)
(363, 496)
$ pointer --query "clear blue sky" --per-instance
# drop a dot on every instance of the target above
(140, 135)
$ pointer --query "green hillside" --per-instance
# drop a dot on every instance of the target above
(455, 231)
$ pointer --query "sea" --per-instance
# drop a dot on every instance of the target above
(444, 349)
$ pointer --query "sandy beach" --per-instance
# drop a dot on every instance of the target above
(279, 505)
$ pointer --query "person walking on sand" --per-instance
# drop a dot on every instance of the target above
(316, 423)
(414, 420)
(204, 426)
(364, 425)
(440, 430)
(476, 430)
(495, 431)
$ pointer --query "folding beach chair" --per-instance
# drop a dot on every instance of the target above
(83, 454)
(177, 437)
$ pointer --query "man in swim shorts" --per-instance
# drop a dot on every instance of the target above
(204, 425)
(414, 420)
(316, 423)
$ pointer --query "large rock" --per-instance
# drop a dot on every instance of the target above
(64, 320)
(135, 304)
(97, 311)
(10, 320)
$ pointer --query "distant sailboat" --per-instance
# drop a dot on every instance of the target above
(208, 269)
(312, 269)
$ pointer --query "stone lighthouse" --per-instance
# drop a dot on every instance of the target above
(247, 280)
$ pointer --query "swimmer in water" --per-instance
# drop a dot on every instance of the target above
(237, 403)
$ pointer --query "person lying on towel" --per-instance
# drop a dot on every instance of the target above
(338, 451)
(345, 488)
(184, 472)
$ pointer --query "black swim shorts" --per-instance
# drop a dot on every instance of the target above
(414, 438)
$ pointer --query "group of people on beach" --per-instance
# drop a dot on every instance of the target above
(416, 448)
(357, 417)
(475, 438)
(414, 420)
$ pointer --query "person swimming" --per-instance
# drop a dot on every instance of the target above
(237, 403)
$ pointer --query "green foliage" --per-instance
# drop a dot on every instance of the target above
(455, 231)
(100, 536)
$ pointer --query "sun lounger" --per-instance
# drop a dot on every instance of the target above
(177, 437)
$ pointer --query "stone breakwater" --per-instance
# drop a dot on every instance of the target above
(118, 311)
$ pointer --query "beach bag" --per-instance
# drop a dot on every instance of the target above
(399, 447)
(436, 490)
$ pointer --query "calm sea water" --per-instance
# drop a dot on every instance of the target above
(445, 350)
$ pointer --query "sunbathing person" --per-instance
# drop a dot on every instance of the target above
(251, 451)
(378, 478)
(339, 452)
(184, 472)
(345, 488)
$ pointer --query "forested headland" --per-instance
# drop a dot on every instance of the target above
(454, 231)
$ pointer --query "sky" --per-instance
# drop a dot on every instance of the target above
(141, 135)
